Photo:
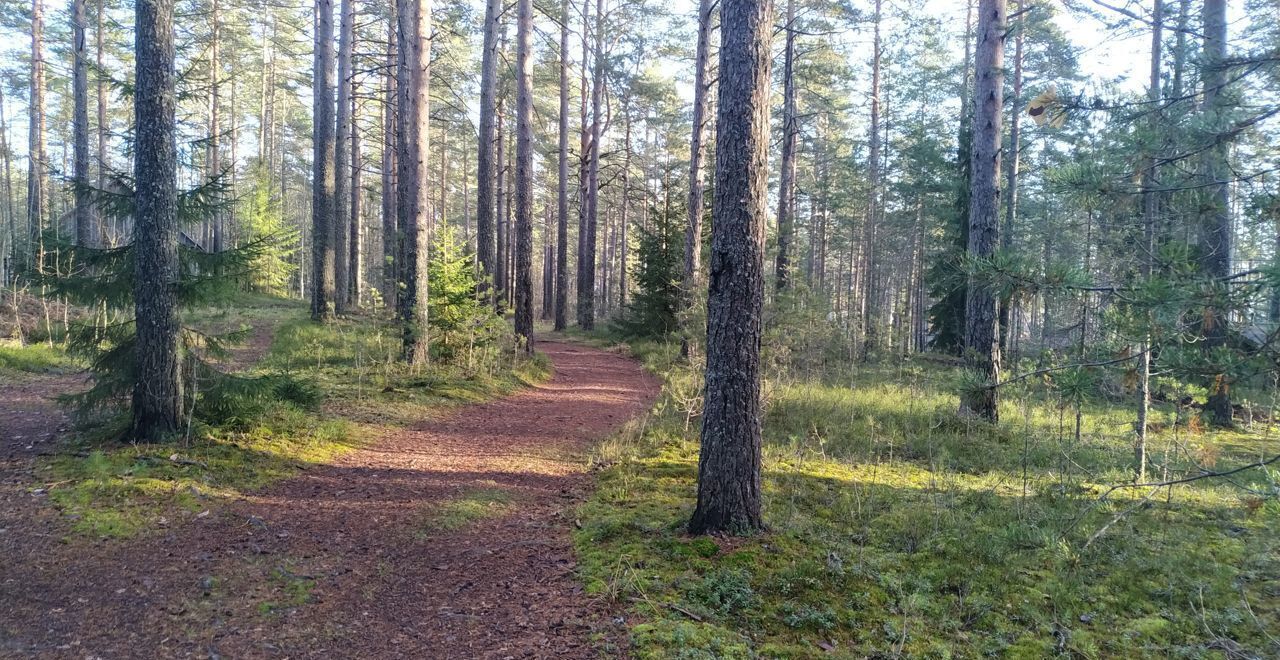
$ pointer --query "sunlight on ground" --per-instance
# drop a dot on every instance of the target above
(897, 528)
(352, 391)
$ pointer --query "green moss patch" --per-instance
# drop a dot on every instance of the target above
(897, 529)
(465, 510)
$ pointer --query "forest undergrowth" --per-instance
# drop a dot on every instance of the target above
(328, 390)
(898, 529)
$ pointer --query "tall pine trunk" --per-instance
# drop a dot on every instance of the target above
(524, 175)
(1150, 210)
(106, 237)
(562, 185)
(729, 484)
(341, 158)
(981, 332)
(587, 294)
(584, 159)
(500, 211)
(870, 263)
(1215, 222)
(10, 212)
(213, 156)
(355, 244)
(486, 167)
(390, 196)
(80, 92)
(157, 392)
(415, 172)
(35, 138)
(790, 136)
(322, 196)
(1012, 164)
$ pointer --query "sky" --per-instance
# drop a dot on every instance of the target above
(1104, 54)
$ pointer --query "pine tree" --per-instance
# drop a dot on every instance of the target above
(729, 487)
(157, 389)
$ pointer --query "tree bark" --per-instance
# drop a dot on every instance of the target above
(1215, 223)
(106, 238)
(1011, 175)
(212, 154)
(10, 213)
(584, 157)
(1150, 209)
(790, 135)
(729, 483)
(341, 157)
(500, 210)
(548, 262)
(870, 265)
(587, 294)
(80, 92)
(486, 169)
(390, 195)
(626, 199)
(562, 186)
(981, 332)
(524, 175)
(35, 134)
(355, 270)
(157, 392)
(391, 221)
(322, 220)
(415, 172)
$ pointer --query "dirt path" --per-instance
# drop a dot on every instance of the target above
(356, 559)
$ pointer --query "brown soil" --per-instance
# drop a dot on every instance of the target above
(344, 560)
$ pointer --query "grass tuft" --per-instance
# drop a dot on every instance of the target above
(471, 507)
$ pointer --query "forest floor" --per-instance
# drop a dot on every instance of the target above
(443, 534)
(897, 529)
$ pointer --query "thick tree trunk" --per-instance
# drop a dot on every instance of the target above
(729, 484)
(1215, 224)
(157, 392)
(524, 175)
(341, 157)
(390, 195)
(80, 92)
(790, 136)
(981, 332)
(322, 199)
(415, 172)
(562, 185)
(486, 168)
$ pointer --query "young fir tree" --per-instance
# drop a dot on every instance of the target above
(458, 319)
(658, 273)
(110, 279)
